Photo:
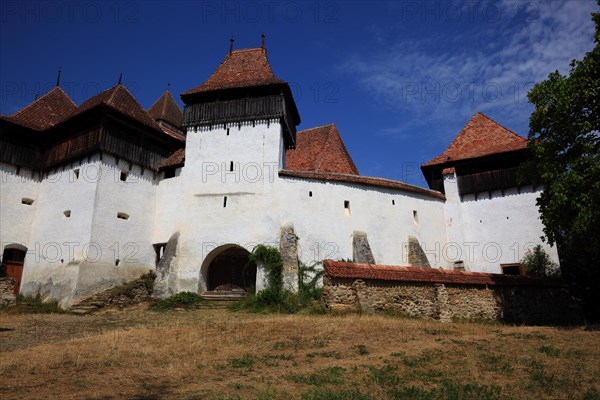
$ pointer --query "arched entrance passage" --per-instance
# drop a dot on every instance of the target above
(13, 258)
(228, 269)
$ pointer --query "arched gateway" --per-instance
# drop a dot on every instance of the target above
(228, 269)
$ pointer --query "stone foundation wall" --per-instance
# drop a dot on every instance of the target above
(446, 302)
(7, 294)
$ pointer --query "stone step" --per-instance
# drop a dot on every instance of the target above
(223, 296)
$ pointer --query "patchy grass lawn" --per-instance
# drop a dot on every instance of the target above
(217, 354)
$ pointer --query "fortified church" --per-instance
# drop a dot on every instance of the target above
(98, 194)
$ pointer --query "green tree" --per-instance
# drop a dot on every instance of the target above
(565, 142)
(538, 263)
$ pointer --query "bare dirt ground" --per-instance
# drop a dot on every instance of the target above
(217, 354)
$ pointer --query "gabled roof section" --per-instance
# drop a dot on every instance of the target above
(481, 136)
(166, 109)
(241, 68)
(118, 98)
(45, 112)
(320, 149)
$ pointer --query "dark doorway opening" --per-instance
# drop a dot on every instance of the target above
(232, 271)
(13, 259)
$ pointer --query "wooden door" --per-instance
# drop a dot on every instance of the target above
(14, 270)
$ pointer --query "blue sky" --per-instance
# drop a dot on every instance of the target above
(398, 78)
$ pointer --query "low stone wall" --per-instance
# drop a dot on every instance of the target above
(447, 295)
(7, 293)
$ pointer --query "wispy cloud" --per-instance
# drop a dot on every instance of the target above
(495, 57)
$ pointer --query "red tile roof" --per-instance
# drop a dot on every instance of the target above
(166, 109)
(241, 68)
(172, 133)
(176, 159)
(339, 269)
(361, 180)
(45, 112)
(481, 136)
(118, 98)
(320, 149)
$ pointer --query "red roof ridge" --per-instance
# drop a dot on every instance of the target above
(46, 111)
(362, 180)
(509, 130)
(239, 69)
(480, 136)
(166, 108)
(317, 127)
(110, 98)
(320, 149)
(349, 270)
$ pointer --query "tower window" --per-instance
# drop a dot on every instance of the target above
(347, 208)
(123, 215)
(224, 201)
(26, 201)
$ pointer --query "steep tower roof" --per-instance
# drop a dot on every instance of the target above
(166, 109)
(241, 68)
(481, 136)
(45, 112)
(118, 98)
(320, 149)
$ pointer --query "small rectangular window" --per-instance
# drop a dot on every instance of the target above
(231, 166)
(26, 201)
(415, 217)
(123, 215)
(67, 213)
(347, 208)
(310, 194)
(124, 175)
(227, 131)
(76, 173)
(393, 202)
(224, 201)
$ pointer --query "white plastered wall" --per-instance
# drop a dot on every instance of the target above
(492, 228)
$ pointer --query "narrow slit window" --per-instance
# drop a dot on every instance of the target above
(393, 202)
(76, 173)
(124, 175)
(26, 201)
(347, 208)
(224, 201)
(123, 215)
(67, 213)
(227, 131)
(310, 194)
(415, 217)
(231, 166)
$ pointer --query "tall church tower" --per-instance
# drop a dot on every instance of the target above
(239, 122)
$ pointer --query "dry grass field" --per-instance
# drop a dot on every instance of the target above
(217, 354)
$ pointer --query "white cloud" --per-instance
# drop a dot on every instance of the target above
(490, 66)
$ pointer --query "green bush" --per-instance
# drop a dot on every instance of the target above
(538, 263)
(179, 300)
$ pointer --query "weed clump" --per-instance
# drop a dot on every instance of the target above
(179, 300)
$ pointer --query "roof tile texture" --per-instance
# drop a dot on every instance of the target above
(481, 136)
(166, 109)
(362, 180)
(45, 112)
(339, 269)
(241, 68)
(118, 98)
(320, 149)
